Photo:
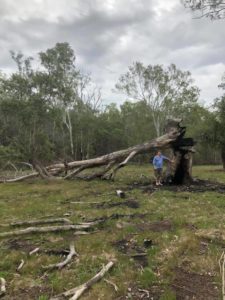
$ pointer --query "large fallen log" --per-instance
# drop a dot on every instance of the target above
(112, 162)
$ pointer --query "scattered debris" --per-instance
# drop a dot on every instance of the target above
(78, 291)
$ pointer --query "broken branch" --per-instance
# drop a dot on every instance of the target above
(39, 222)
(62, 264)
(3, 288)
(20, 265)
(78, 291)
(44, 229)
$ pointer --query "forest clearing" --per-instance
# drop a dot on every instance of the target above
(158, 238)
(112, 150)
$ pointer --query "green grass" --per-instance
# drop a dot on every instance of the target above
(177, 247)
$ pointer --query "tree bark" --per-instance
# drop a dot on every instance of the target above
(223, 156)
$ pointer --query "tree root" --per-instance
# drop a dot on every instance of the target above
(78, 291)
(62, 264)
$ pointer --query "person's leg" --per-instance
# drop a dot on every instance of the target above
(160, 177)
(156, 176)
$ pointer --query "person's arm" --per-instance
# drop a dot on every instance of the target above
(153, 162)
(166, 158)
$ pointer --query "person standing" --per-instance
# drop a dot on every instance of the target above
(158, 166)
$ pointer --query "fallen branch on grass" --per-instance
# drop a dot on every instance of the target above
(78, 291)
(112, 284)
(3, 288)
(40, 222)
(20, 265)
(29, 176)
(62, 264)
(45, 229)
(34, 251)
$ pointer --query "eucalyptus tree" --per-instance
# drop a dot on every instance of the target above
(164, 90)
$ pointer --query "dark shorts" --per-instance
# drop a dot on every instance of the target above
(158, 173)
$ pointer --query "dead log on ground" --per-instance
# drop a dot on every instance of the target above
(78, 291)
(31, 230)
(62, 264)
(40, 222)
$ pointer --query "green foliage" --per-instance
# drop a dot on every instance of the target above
(54, 112)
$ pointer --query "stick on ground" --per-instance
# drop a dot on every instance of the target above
(30, 230)
(39, 222)
(62, 264)
(3, 288)
(78, 291)
(20, 265)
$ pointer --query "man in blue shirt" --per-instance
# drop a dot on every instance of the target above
(158, 166)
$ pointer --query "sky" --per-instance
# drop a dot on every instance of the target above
(109, 35)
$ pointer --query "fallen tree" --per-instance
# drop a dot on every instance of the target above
(112, 162)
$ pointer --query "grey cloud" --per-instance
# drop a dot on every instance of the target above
(108, 36)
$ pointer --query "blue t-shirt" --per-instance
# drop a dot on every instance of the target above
(158, 161)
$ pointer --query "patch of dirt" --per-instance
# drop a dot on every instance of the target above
(131, 203)
(132, 249)
(157, 226)
(21, 245)
(29, 293)
(194, 286)
(198, 185)
(117, 216)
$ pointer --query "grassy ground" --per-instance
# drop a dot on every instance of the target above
(177, 264)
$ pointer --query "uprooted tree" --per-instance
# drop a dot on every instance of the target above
(110, 163)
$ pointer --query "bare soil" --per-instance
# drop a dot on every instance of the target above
(189, 285)
(132, 249)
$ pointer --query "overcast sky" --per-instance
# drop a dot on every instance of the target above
(109, 35)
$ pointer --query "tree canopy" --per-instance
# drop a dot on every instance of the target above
(213, 9)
